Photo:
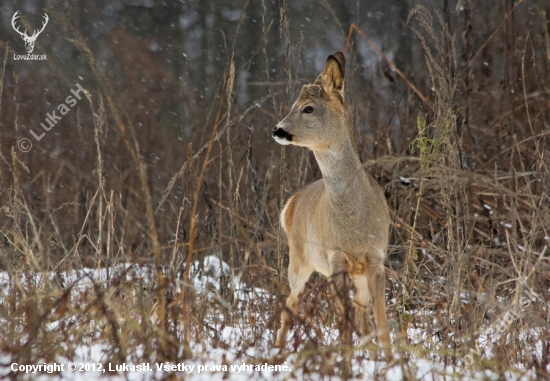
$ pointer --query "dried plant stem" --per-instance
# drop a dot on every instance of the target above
(354, 27)
(506, 17)
(4, 61)
(81, 44)
(193, 227)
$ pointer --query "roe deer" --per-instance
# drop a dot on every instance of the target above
(338, 224)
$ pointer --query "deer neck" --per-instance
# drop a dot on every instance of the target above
(344, 177)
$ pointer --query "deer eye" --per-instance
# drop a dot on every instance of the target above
(307, 110)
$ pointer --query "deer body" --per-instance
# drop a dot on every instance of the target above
(338, 224)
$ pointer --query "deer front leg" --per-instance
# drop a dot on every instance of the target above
(340, 285)
(377, 290)
(361, 301)
(298, 275)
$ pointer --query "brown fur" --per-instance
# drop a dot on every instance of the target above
(287, 215)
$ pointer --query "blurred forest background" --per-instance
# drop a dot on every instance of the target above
(170, 160)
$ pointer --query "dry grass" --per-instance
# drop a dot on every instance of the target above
(109, 243)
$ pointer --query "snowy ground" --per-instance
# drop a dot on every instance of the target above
(235, 362)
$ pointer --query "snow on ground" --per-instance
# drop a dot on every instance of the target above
(208, 363)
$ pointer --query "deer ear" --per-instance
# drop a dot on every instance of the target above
(332, 76)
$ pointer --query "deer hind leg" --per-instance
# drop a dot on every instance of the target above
(377, 290)
(298, 275)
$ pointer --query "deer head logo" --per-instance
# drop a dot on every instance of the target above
(29, 40)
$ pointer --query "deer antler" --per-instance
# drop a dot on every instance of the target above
(15, 27)
(43, 25)
(29, 40)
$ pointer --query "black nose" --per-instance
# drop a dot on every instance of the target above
(280, 133)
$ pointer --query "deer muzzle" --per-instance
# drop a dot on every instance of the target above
(281, 136)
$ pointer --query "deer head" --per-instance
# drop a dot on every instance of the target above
(29, 40)
(319, 117)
